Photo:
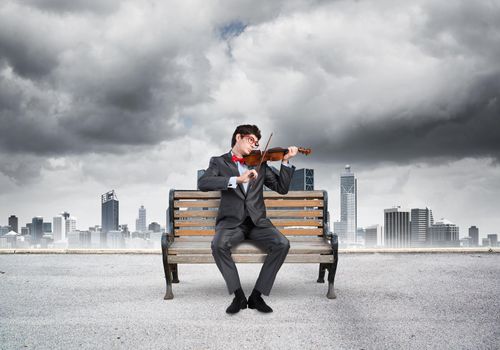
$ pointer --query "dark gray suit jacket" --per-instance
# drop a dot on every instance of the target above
(235, 204)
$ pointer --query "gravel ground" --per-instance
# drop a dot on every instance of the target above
(384, 301)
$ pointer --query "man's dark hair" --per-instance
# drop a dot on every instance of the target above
(243, 130)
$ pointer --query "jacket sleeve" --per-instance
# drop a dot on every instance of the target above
(211, 180)
(279, 183)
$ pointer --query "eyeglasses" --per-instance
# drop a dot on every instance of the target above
(251, 140)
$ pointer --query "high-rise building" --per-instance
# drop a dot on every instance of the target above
(374, 236)
(348, 205)
(486, 242)
(140, 223)
(70, 224)
(13, 223)
(59, 228)
(154, 227)
(36, 229)
(109, 214)
(421, 221)
(397, 228)
(444, 234)
(302, 180)
(493, 239)
(199, 174)
(47, 227)
(474, 235)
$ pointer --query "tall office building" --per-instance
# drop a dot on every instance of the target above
(444, 234)
(47, 227)
(109, 214)
(154, 226)
(198, 175)
(348, 206)
(421, 221)
(70, 224)
(36, 229)
(59, 228)
(302, 180)
(397, 228)
(474, 236)
(374, 236)
(13, 223)
(140, 223)
(493, 239)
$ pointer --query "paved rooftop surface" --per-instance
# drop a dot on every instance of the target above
(384, 301)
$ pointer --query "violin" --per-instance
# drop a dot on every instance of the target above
(257, 157)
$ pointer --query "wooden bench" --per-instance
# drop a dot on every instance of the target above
(302, 216)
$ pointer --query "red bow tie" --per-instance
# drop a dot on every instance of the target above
(238, 159)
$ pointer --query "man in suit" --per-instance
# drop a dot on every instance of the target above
(242, 214)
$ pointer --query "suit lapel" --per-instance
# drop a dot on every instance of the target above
(234, 170)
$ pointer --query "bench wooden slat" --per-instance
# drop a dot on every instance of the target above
(270, 203)
(248, 258)
(270, 213)
(286, 231)
(248, 248)
(179, 194)
(196, 239)
(276, 222)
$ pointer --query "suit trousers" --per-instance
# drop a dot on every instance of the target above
(275, 244)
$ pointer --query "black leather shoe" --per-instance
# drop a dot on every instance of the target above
(237, 305)
(256, 302)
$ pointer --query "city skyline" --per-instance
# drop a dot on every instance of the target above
(407, 93)
(419, 232)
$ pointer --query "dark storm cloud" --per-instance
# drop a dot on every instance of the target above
(23, 48)
(472, 131)
(84, 90)
(64, 6)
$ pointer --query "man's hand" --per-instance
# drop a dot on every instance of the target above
(292, 152)
(247, 176)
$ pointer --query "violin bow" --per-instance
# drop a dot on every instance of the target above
(264, 154)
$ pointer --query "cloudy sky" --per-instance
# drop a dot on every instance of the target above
(137, 95)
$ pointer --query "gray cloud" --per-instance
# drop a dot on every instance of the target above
(472, 131)
(62, 6)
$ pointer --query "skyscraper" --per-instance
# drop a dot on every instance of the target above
(59, 228)
(140, 223)
(474, 235)
(302, 180)
(397, 228)
(493, 239)
(444, 234)
(348, 205)
(36, 229)
(374, 236)
(109, 214)
(13, 223)
(70, 224)
(47, 227)
(421, 221)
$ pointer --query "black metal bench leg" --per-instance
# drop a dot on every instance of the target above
(175, 273)
(168, 274)
(321, 276)
(332, 268)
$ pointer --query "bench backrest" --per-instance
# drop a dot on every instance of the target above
(300, 213)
